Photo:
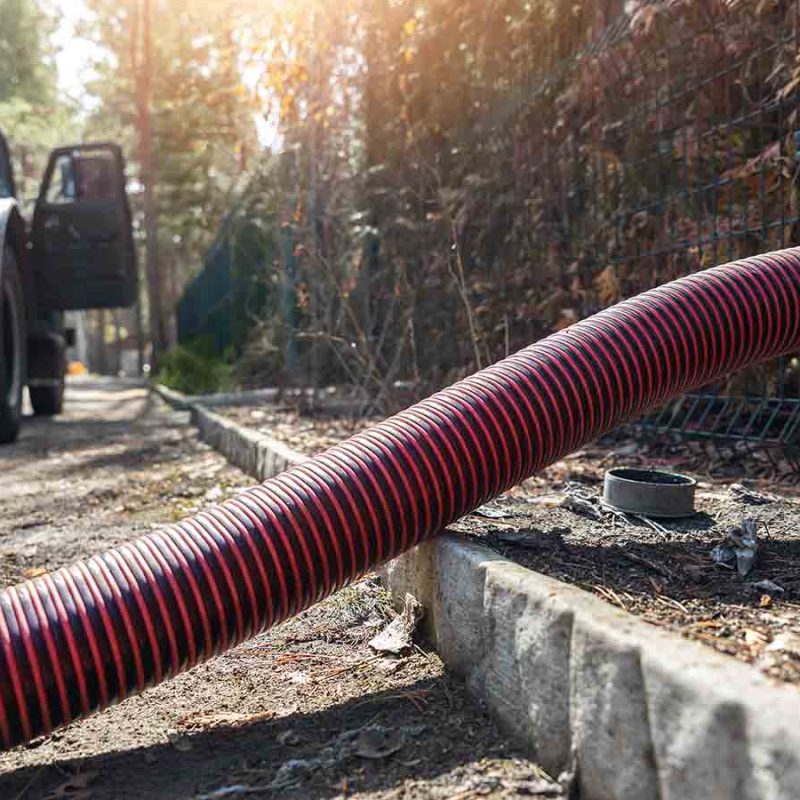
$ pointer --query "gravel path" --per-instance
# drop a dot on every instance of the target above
(306, 710)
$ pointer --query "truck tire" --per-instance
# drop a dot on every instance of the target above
(12, 347)
(47, 401)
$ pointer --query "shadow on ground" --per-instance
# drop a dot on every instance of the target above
(320, 754)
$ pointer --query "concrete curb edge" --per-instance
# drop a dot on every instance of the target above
(255, 453)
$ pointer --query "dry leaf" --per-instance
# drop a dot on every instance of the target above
(34, 572)
(398, 635)
(76, 787)
(215, 719)
(607, 286)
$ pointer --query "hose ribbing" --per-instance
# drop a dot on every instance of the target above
(83, 637)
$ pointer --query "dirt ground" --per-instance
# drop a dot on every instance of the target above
(306, 710)
(665, 574)
(662, 571)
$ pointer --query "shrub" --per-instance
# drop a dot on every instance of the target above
(195, 368)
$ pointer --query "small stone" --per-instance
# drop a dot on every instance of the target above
(214, 493)
(179, 742)
(291, 772)
(769, 587)
(754, 637)
(289, 737)
(788, 643)
(378, 742)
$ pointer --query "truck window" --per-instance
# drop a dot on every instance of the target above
(62, 188)
(82, 177)
(95, 177)
(6, 184)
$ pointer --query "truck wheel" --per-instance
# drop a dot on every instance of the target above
(12, 347)
(47, 401)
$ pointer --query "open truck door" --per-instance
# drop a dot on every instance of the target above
(82, 237)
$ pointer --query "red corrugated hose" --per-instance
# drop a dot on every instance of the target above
(78, 639)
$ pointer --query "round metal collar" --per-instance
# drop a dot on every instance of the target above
(651, 492)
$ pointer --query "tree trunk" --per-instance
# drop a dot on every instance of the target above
(143, 75)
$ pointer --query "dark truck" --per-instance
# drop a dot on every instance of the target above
(75, 253)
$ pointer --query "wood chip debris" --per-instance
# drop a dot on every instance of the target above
(750, 497)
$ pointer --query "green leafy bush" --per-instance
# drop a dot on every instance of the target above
(195, 368)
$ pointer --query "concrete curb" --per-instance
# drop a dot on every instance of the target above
(332, 405)
(178, 400)
(255, 453)
(184, 401)
(632, 711)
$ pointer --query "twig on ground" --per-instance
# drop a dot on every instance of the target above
(637, 559)
(669, 601)
(610, 595)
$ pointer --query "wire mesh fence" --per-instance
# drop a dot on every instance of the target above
(229, 293)
(574, 155)
(682, 129)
